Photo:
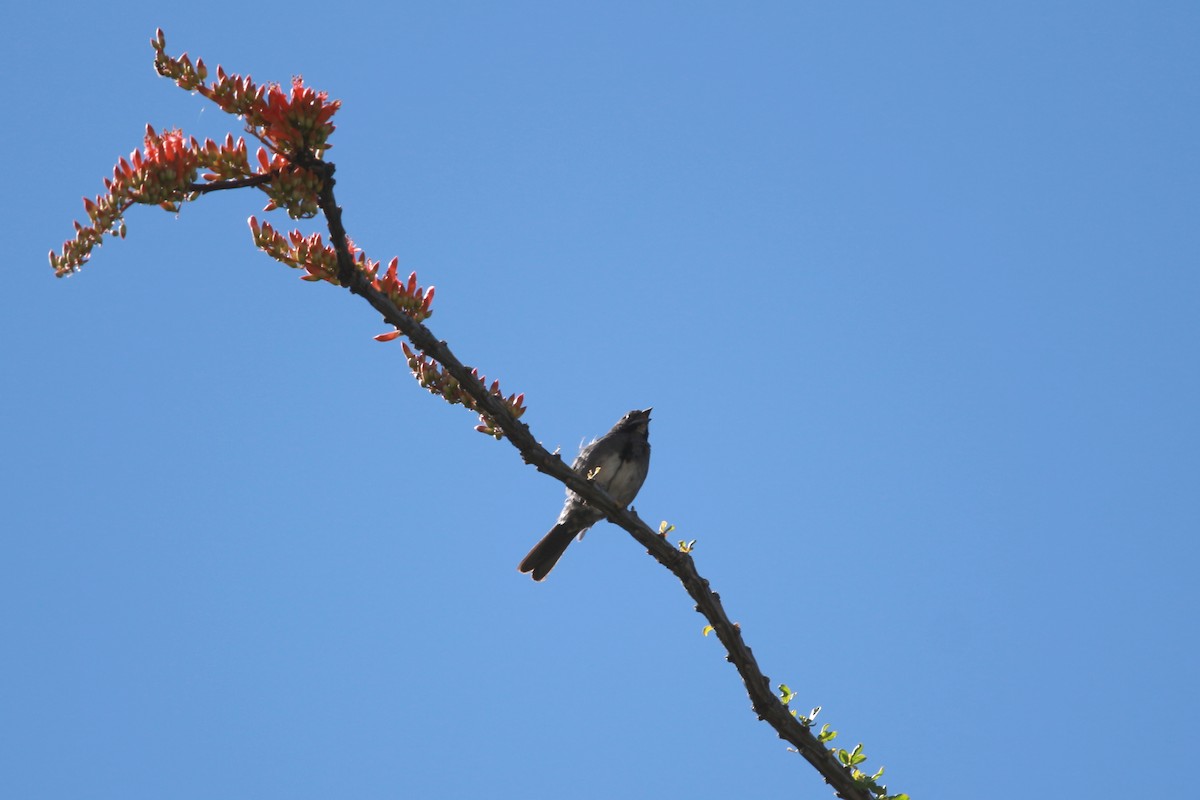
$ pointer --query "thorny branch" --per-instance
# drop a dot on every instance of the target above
(295, 128)
(708, 603)
(232, 183)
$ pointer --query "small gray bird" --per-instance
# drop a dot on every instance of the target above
(617, 462)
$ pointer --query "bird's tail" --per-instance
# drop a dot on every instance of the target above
(546, 553)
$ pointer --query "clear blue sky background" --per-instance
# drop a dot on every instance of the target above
(914, 290)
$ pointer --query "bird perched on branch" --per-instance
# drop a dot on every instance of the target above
(617, 462)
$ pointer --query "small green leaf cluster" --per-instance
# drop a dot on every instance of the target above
(684, 546)
(848, 758)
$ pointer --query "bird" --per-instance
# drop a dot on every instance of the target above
(617, 462)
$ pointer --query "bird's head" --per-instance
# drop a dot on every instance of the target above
(635, 421)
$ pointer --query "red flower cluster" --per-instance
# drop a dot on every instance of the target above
(434, 377)
(295, 124)
(319, 262)
(161, 174)
(294, 127)
(227, 161)
(160, 177)
(408, 297)
(292, 188)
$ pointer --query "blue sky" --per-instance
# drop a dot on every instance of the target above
(914, 290)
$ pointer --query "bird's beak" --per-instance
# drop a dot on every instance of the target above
(647, 412)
